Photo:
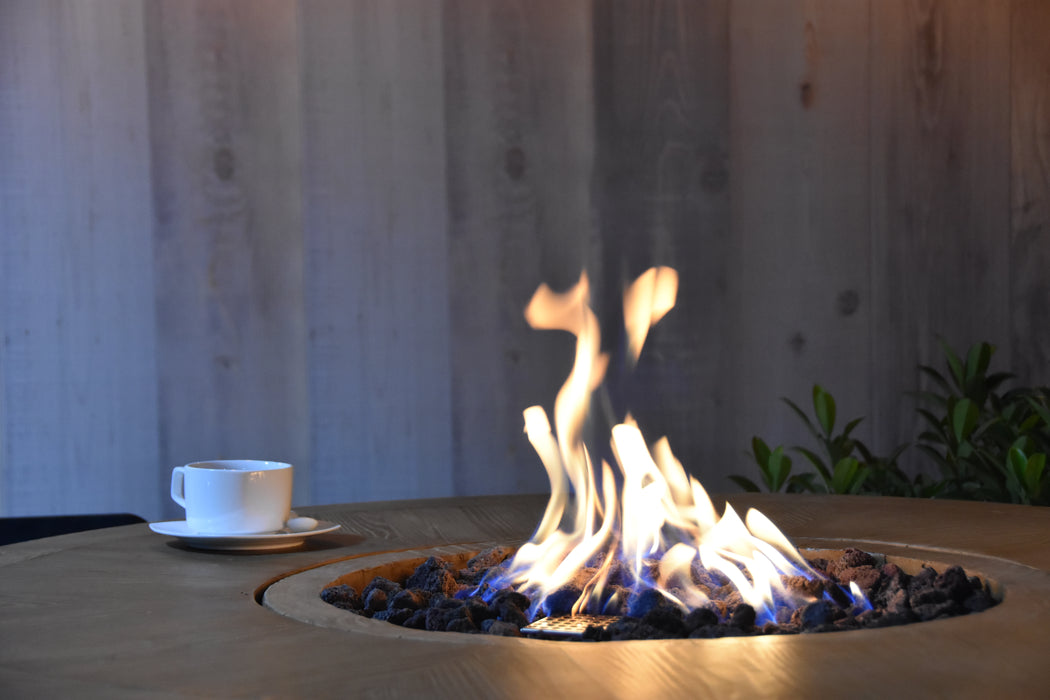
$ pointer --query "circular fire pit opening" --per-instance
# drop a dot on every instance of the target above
(299, 595)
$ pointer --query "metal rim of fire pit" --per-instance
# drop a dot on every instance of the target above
(297, 595)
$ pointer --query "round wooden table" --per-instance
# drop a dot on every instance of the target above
(126, 612)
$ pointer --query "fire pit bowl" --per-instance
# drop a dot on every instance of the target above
(980, 654)
(126, 612)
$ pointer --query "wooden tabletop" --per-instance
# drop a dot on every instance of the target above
(125, 612)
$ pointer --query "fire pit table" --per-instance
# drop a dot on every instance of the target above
(126, 612)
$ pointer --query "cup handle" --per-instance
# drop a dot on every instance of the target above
(178, 485)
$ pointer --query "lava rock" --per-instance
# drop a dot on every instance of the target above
(488, 558)
(867, 577)
(808, 587)
(560, 601)
(383, 584)
(700, 617)
(411, 599)
(743, 617)
(396, 617)
(852, 558)
(954, 583)
(897, 604)
(437, 619)
(479, 611)
(500, 628)
(417, 621)
(518, 600)
(376, 601)
(666, 619)
(814, 615)
(620, 575)
(461, 624)
(342, 596)
(838, 595)
(631, 628)
(642, 603)
(433, 576)
(979, 601)
(926, 596)
(507, 612)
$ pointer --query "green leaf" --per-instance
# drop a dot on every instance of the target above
(816, 461)
(1018, 463)
(802, 483)
(845, 474)
(824, 408)
(778, 468)
(745, 483)
(938, 379)
(964, 416)
(1033, 472)
(760, 451)
(803, 417)
(851, 425)
(977, 360)
(954, 365)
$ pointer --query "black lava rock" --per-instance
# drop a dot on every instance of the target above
(376, 600)
(507, 612)
(640, 605)
(667, 619)
(342, 596)
(743, 617)
(700, 617)
(412, 599)
(815, 614)
(383, 584)
(500, 628)
(433, 576)
(560, 602)
(417, 620)
(461, 624)
(954, 583)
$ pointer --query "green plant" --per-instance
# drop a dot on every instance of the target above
(977, 434)
(843, 464)
(987, 443)
(775, 468)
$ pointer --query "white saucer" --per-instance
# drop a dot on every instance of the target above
(282, 539)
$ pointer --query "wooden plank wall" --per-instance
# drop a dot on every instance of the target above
(306, 231)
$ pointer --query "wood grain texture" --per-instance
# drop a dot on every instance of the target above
(661, 76)
(376, 245)
(78, 424)
(520, 143)
(1030, 190)
(940, 191)
(152, 617)
(799, 296)
(307, 230)
(231, 341)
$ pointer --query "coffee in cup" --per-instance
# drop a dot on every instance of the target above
(234, 496)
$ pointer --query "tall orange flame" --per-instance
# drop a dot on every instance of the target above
(609, 534)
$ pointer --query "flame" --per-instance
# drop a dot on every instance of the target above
(609, 534)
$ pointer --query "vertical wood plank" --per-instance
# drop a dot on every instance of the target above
(799, 301)
(940, 191)
(229, 250)
(1030, 192)
(376, 249)
(520, 152)
(78, 422)
(662, 181)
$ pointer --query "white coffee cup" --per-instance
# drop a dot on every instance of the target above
(234, 496)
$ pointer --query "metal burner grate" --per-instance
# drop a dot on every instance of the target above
(568, 625)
